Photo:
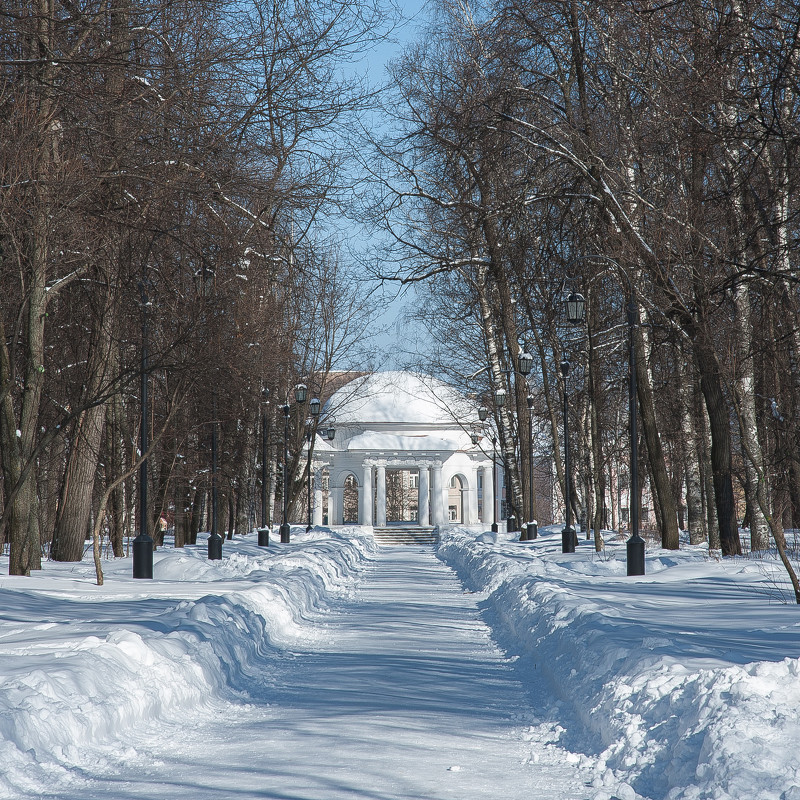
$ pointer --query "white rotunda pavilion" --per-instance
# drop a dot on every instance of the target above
(404, 447)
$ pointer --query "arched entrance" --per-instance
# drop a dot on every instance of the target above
(402, 495)
(456, 497)
(350, 501)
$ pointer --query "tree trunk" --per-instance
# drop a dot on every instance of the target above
(594, 398)
(50, 478)
(77, 493)
(197, 514)
(692, 447)
(744, 392)
(552, 405)
(115, 466)
(670, 536)
(502, 415)
(719, 428)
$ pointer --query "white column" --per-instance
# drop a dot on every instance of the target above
(317, 515)
(424, 495)
(335, 505)
(365, 497)
(439, 505)
(472, 497)
(380, 500)
(488, 494)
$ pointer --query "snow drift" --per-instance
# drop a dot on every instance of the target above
(682, 684)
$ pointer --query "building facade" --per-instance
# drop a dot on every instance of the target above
(404, 445)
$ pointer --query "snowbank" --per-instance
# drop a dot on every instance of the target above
(682, 684)
(80, 664)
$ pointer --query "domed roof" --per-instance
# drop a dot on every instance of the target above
(405, 398)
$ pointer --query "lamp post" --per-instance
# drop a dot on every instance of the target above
(499, 401)
(143, 543)
(568, 534)
(532, 527)
(263, 531)
(285, 529)
(214, 539)
(483, 415)
(300, 394)
(309, 434)
(313, 408)
(494, 484)
(528, 529)
(635, 546)
(576, 314)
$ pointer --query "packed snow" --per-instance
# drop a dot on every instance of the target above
(678, 685)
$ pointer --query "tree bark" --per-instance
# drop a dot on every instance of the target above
(670, 536)
(692, 447)
(719, 428)
(77, 493)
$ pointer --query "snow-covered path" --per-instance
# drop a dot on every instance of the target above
(405, 697)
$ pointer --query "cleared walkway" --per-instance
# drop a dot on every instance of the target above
(409, 699)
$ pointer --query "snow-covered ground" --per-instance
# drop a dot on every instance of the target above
(679, 685)
(684, 683)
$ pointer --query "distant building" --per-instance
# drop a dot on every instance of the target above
(402, 452)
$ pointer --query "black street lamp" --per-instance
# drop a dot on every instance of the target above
(263, 531)
(636, 546)
(214, 539)
(576, 314)
(300, 395)
(499, 402)
(285, 529)
(576, 309)
(311, 424)
(532, 527)
(525, 360)
(568, 534)
(528, 529)
(309, 435)
(495, 480)
(143, 543)
(483, 415)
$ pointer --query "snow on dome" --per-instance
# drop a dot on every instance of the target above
(370, 440)
(398, 397)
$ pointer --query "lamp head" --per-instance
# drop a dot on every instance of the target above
(525, 363)
(576, 309)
